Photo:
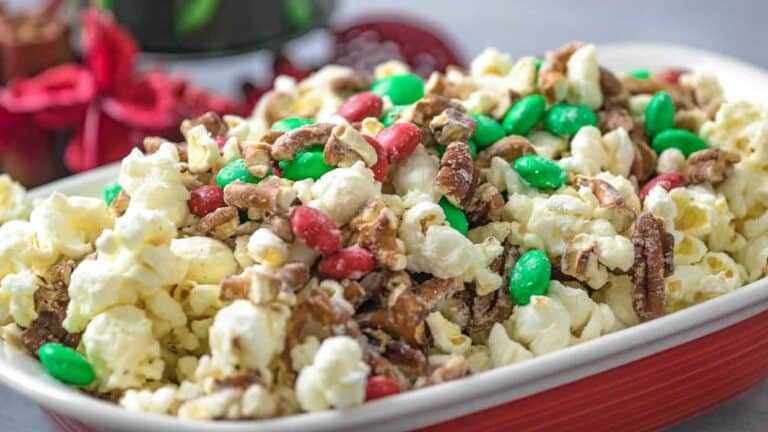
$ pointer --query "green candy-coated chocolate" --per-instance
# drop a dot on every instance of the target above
(308, 163)
(566, 119)
(402, 89)
(659, 113)
(488, 130)
(524, 115)
(455, 217)
(685, 141)
(640, 73)
(66, 364)
(529, 277)
(235, 170)
(111, 191)
(540, 172)
(291, 123)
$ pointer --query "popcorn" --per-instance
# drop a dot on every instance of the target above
(69, 225)
(584, 78)
(591, 152)
(389, 68)
(617, 295)
(542, 326)
(715, 275)
(341, 193)
(17, 298)
(671, 160)
(122, 349)
(490, 62)
(706, 88)
(505, 351)
(447, 335)
(548, 145)
(336, 377)
(202, 150)
(20, 249)
(209, 260)
(160, 401)
(522, 77)
(14, 203)
(588, 319)
(265, 247)
(415, 176)
(303, 354)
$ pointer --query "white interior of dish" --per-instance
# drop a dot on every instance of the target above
(432, 404)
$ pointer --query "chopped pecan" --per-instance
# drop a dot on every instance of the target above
(610, 85)
(690, 119)
(614, 118)
(240, 380)
(509, 149)
(404, 314)
(712, 165)
(256, 156)
(331, 315)
(289, 278)
(291, 142)
(552, 79)
(120, 204)
(654, 261)
(281, 226)
(438, 85)
(153, 143)
(235, 287)
(293, 276)
(637, 86)
(356, 81)
(376, 226)
(272, 194)
(452, 125)
(485, 205)
(453, 368)
(423, 111)
(644, 163)
(221, 223)
(580, 258)
(212, 122)
(271, 136)
(610, 199)
(347, 146)
(456, 178)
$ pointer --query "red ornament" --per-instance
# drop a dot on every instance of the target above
(110, 51)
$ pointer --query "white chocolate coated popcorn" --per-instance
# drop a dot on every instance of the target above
(584, 78)
(542, 326)
(69, 225)
(209, 260)
(341, 193)
(17, 297)
(447, 335)
(505, 351)
(14, 203)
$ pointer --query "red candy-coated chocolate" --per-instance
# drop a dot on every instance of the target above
(381, 168)
(380, 386)
(399, 140)
(350, 263)
(220, 141)
(670, 76)
(316, 229)
(360, 106)
(205, 199)
(668, 181)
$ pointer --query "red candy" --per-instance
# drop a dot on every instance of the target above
(316, 229)
(220, 141)
(205, 199)
(350, 263)
(380, 386)
(360, 106)
(670, 76)
(400, 140)
(668, 181)
(381, 168)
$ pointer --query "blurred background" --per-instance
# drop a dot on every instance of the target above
(79, 89)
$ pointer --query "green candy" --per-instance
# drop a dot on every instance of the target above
(235, 170)
(539, 62)
(291, 123)
(488, 130)
(681, 139)
(308, 163)
(66, 364)
(640, 73)
(529, 277)
(111, 191)
(455, 217)
(659, 113)
(402, 89)
(471, 144)
(540, 172)
(524, 115)
(566, 119)
(390, 116)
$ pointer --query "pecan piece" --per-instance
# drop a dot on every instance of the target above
(256, 156)
(153, 143)
(690, 119)
(347, 146)
(281, 226)
(251, 283)
(552, 80)
(509, 148)
(221, 223)
(637, 86)
(376, 227)
(614, 118)
(240, 380)
(644, 163)
(423, 111)
(580, 261)
(331, 315)
(712, 165)
(610, 85)
(453, 368)
(212, 122)
(654, 260)
(485, 205)
(272, 194)
(120, 204)
(291, 142)
(356, 81)
(456, 178)
(611, 200)
(452, 125)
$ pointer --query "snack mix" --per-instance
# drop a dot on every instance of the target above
(360, 236)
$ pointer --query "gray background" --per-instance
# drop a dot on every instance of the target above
(737, 28)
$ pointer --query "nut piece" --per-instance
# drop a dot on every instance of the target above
(690, 119)
(580, 259)
(256, 155)
(291, 142)
(485, 205)
(347, 146)
(281, 226)
(552, 81)
(614, 118)
(356, 81)
(152, 144)
(654, 260)
(456, 179)
(635, 86)
(272, 194)
(452, 125)
(120, 204)
(611, 86)
(221, 223)
(644, 164)
(288, 278)
(610, 199)
(454, 368)
(509, 149)
(376, 227)
(273, 106)
(423, 111)
(712, 165)
(212, 122)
